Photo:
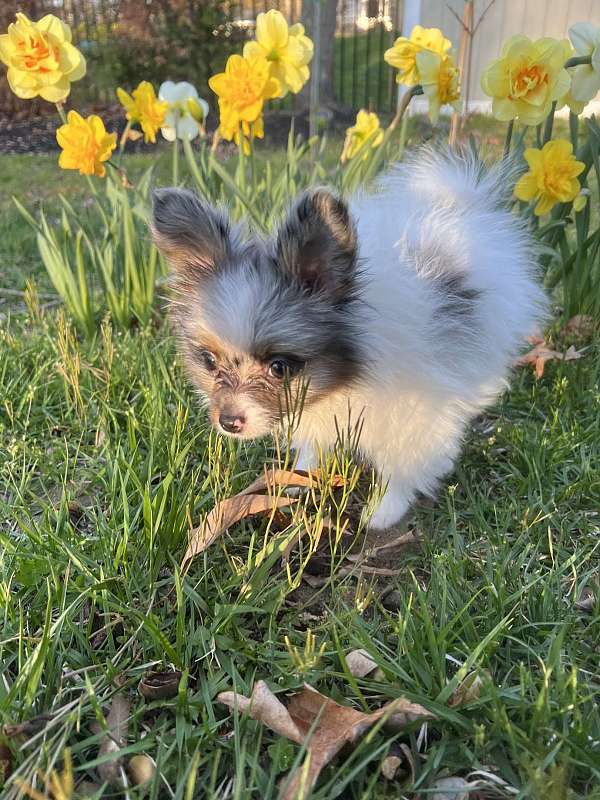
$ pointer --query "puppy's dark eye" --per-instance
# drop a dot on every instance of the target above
(209, 361)
(280, 367)
(277, 368)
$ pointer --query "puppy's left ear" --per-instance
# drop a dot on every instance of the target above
(317, 244)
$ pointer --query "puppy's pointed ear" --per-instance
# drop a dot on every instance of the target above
(192, 235)
(317, 244)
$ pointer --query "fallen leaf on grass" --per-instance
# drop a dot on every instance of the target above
(403, 713)
(329, 724)
(389, 767)
(360, 663)
(586, 599)
(27, 728)
(248, 502)
(398, 541)
(581, 325)
(541, 353)
(114, 740)
(159, 685)
(225, 514)
(296, 479)
(469, 688)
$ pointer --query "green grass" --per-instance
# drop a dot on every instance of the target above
(106, 457)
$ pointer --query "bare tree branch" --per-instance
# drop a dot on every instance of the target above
(484, 12)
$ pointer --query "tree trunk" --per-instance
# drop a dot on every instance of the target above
(325, 73)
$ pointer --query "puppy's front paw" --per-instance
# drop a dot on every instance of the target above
(390, 511)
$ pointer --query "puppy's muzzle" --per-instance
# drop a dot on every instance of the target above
(232, 423)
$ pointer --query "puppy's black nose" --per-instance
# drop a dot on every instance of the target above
(231, 423)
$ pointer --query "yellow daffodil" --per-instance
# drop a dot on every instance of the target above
(40, 58)
(85, 144)
(439, 79)
(250, 130)
(552, 176)
(403, 54)
(365, 134)
(242, 90)
(526, 79)
(585, 78)
(287, 50)
(144, 107)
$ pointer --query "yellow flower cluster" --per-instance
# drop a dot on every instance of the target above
(40, 58)
(531, 75)
(424, 59)
(552, 177)
(286, 49)
(365, 134)
(242, 90)
(527, 78)
(271, 66)
(143, 106)
(85, 144)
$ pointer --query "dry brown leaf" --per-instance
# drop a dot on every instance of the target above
(398, 541)
(586, 599)
(390, 766)
(265, 707)
(249, 501)
(405, 712)
(469, 688)
(332, 726)
(114, 739)
(581, 325)
(298, 479)
(541, 353)
(159, 685)
(27, 728)
(360, 663)
(227, 513)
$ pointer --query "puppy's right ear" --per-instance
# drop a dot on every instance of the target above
(194, 237)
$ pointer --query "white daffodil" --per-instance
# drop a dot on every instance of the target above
(187, 110)
(585, 80)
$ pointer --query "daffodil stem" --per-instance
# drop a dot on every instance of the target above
(252, 163)
(574, 130)
(398, 117)
(61, 113)
(123, 139)
(507, 141)
(175, 161)
(241, 160)
(549, 123)
(577, 60)
(403, 105)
